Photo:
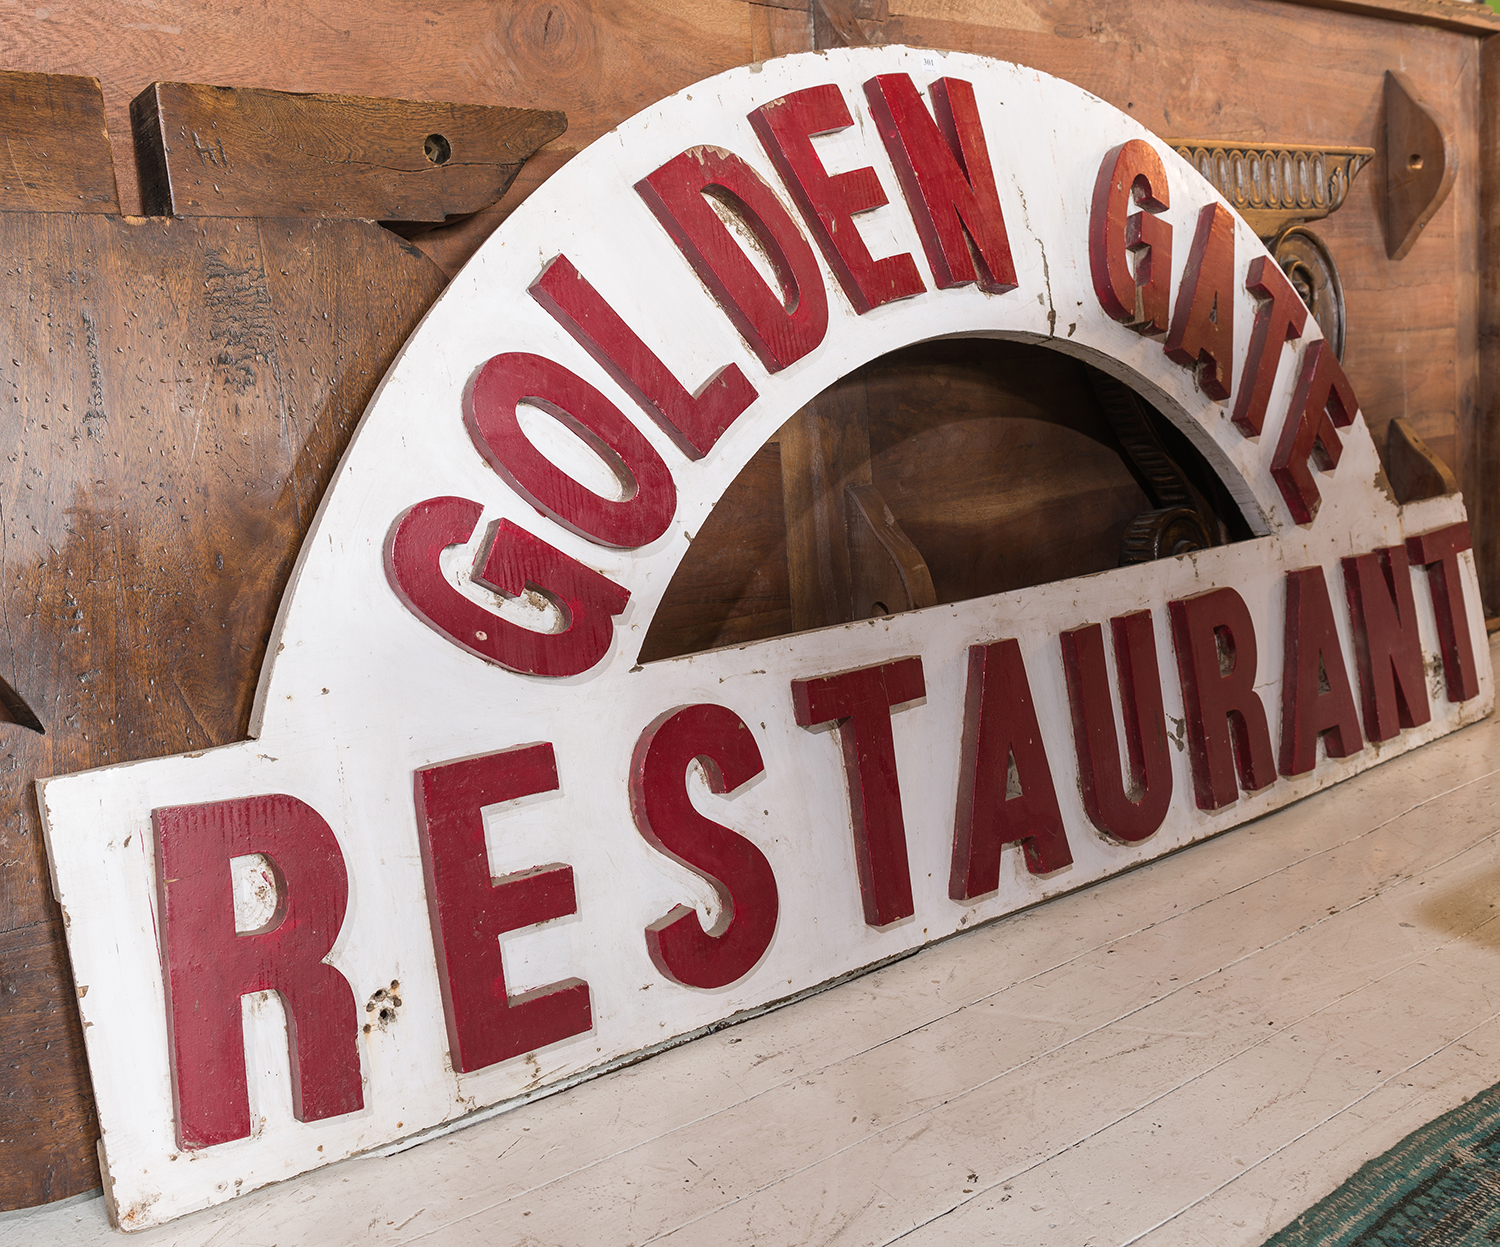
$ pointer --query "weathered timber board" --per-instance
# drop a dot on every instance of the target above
(226, 151)
(56, 149)
(598, 62)
(175, 396)
(993, 457)
(1177, 68)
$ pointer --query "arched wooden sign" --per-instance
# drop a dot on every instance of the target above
(472, 831)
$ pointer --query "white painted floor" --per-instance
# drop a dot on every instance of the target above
(1189, 1054)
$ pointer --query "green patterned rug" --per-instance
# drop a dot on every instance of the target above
(1438, 1187)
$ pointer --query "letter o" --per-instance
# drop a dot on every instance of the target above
(508, 380)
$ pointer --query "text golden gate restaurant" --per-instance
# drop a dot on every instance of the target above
(472, 830)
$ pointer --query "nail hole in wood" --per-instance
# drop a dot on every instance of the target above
(1414, 161)
(437, 149)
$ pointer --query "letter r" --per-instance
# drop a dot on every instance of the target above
(207, 965)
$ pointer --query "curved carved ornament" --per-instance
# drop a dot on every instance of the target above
(1273, 187)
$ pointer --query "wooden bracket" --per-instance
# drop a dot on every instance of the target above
(1420, 164)
(1415, 470)
(243, 152)
(887, 572)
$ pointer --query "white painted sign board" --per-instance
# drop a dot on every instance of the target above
(455, 849)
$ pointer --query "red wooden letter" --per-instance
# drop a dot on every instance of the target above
(859, 703)
(470, 910)
(1202, 333)
(1106, 796)
(693, 421)
(490, 416)
(1438, 552)
(1279, 319)
(1315, 695)
(1002, 740)
(780, 328)
(1322, 403)
(1132, 174)
(1226, 721)
(722, 745)
(943, 165)
(207, 966)
(1383, 619)
(516, 561)
(829, 203)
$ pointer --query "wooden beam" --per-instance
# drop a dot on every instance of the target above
(1471, 19)
(57, 148)
(238, 152)
(1478, 431)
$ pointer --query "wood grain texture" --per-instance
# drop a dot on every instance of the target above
(777, 29)
(1478, 453)
(48, 1130)
(998, 465)
(994, 459)
(57, 151)
(597, 61)
(1418, 172)
(732, 586)
(838, 24)
(887, 572)
(825, 447)
(1456, 15)
(175, 399)
(238, 151)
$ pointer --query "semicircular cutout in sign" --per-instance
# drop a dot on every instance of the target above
(977, 465)
(490, 826)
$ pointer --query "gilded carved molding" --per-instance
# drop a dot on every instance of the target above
(1277, 188)
(1274, 186)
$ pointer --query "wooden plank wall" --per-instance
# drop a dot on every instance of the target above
(600, 61)
(1229, 69)
(1256, 70)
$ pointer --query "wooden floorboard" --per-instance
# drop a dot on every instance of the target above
(1188, 1054)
